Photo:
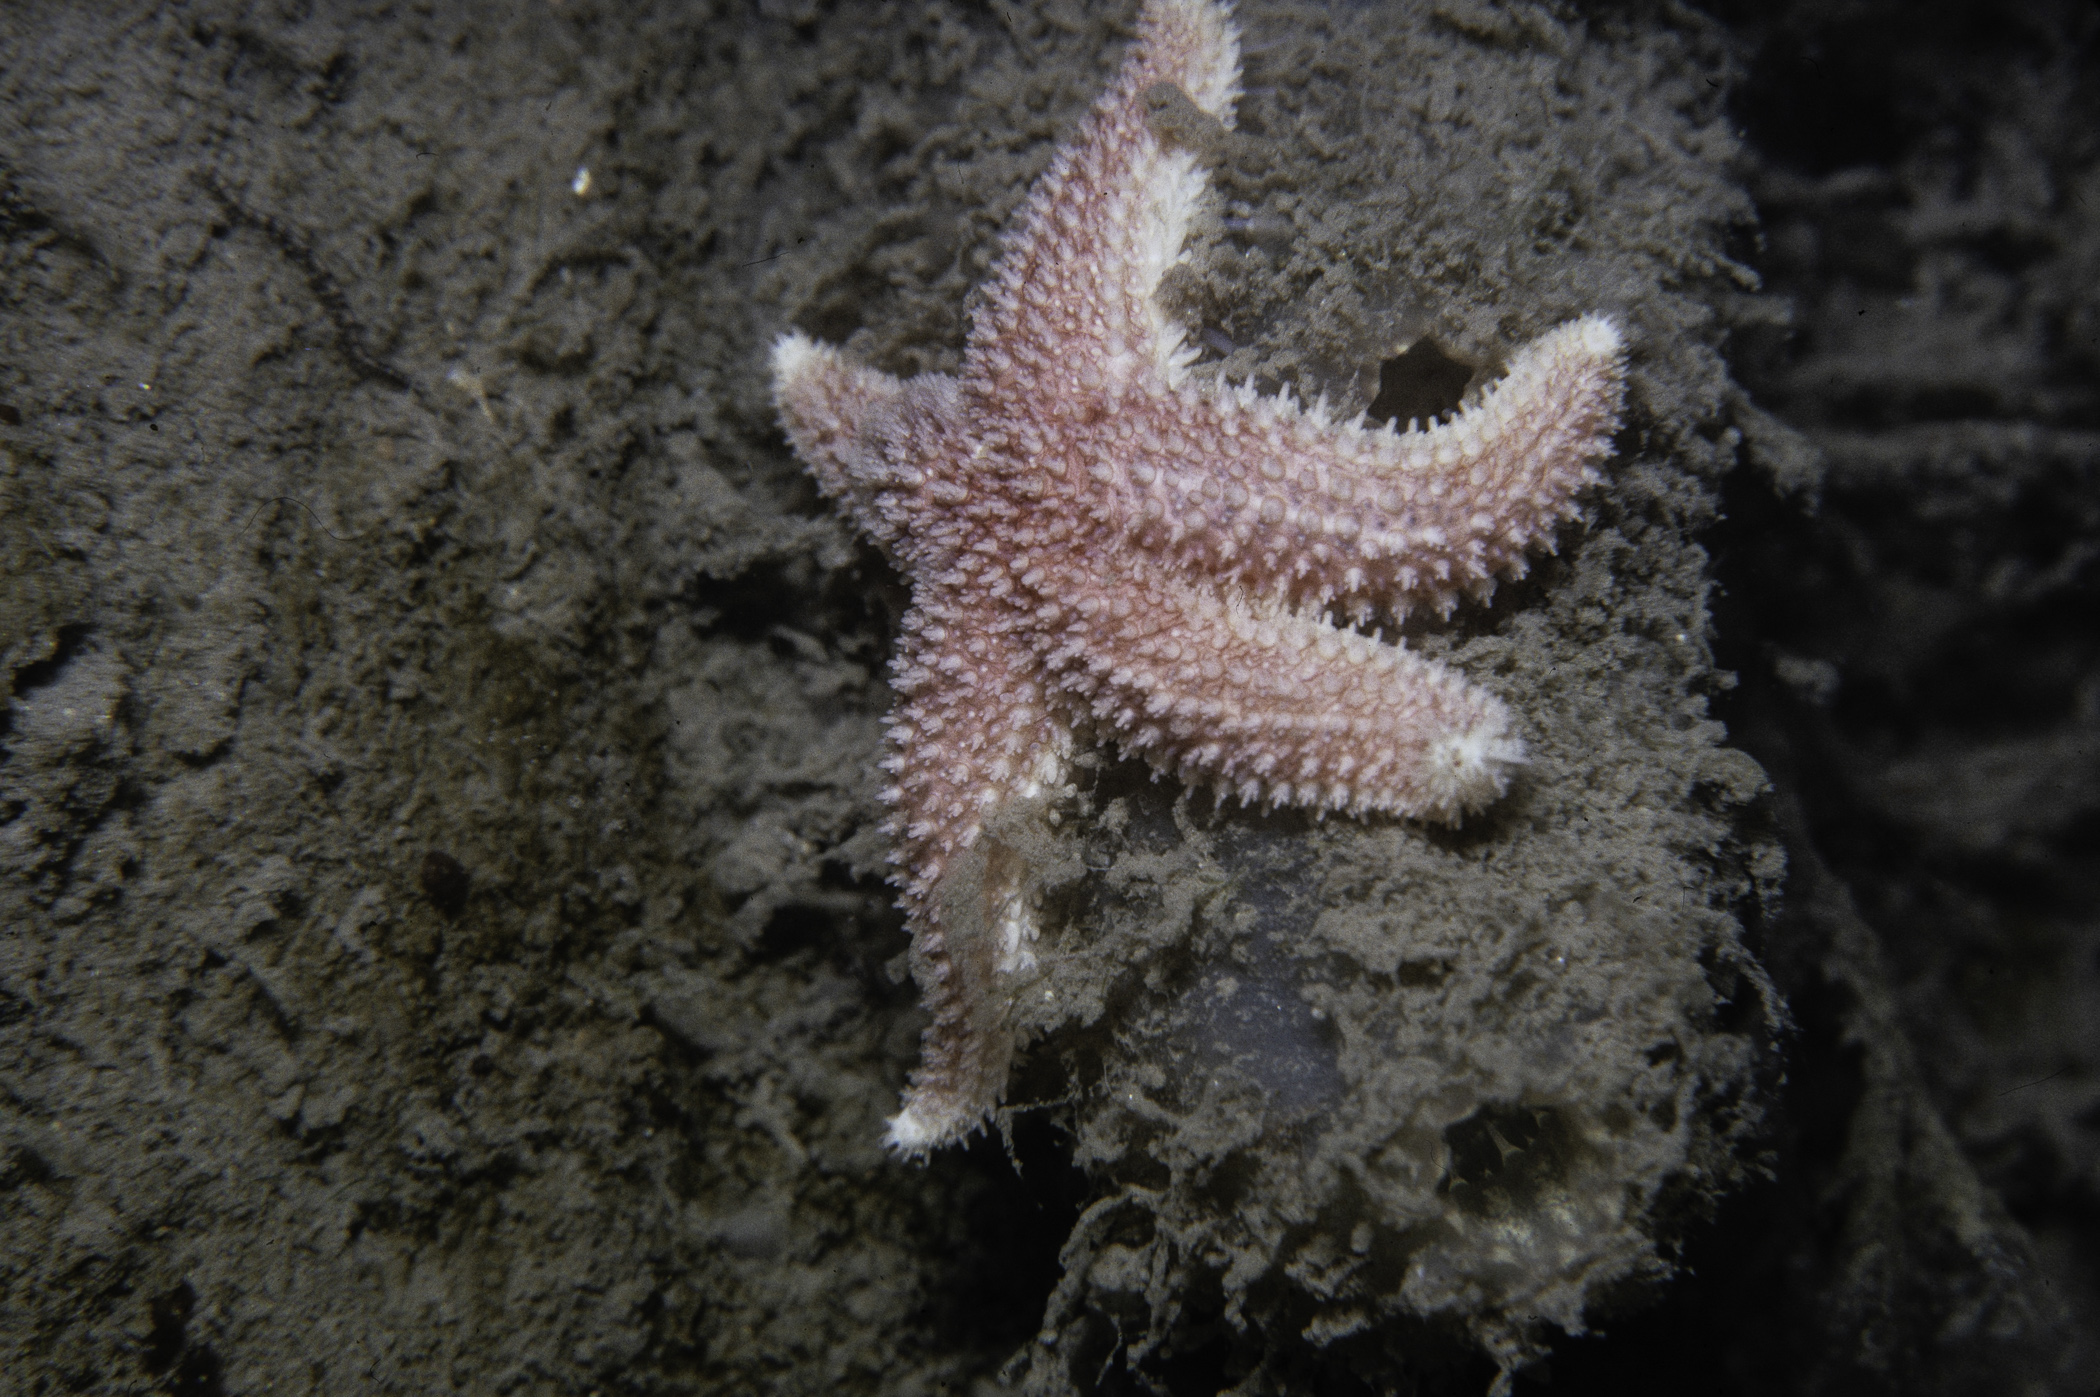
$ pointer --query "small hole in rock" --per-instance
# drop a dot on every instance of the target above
(445, 881)
(1419, 385)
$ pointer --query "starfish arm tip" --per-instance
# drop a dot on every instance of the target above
(1598, 335)
(1465, 772)
(926, 1123)
(794, 354)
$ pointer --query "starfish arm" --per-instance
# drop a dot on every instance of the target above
(823, 398)
(1071, 309)
(874, 443)
(972, 736)
(1278, 498)
(1275, 705)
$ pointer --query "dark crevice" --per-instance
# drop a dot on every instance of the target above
(31, 677)
(1421, 385)
(185, 1368)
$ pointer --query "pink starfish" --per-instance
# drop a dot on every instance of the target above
(1098, 541)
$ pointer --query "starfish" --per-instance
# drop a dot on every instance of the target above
(1101, 543)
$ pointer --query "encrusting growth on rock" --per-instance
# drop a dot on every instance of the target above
(1097, 541)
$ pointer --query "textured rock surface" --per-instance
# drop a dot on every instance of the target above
(368, 494)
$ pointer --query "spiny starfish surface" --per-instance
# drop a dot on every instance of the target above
(1097, 541)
